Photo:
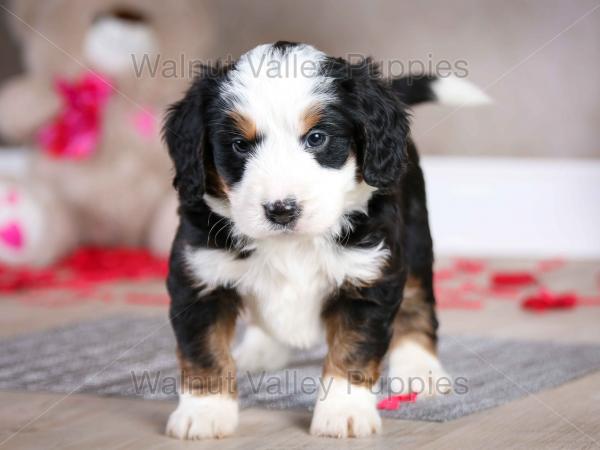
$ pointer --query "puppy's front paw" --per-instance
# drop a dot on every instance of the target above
(203, 417)
(345, 410)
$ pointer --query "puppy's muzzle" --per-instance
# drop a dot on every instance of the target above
(282, 212)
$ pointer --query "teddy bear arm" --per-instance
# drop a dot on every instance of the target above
(164, 225)
(25, 105)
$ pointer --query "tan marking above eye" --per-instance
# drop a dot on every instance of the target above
(245, 125)
(310, 118)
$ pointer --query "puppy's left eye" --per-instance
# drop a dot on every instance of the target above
(316, 138)
(241, 146)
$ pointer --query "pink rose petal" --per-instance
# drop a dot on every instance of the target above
(145, 123)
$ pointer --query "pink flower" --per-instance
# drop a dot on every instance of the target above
(75, 132)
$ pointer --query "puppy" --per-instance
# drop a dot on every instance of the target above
(303, 204)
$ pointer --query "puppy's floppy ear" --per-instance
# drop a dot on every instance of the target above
(184, 133)
(382, 125)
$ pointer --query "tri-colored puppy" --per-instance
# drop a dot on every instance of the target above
(303, 204)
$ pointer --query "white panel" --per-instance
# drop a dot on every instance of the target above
(514, 207)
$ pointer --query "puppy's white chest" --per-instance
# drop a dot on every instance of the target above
(285, 282)
(286, 291)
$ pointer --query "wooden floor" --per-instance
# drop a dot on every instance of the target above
(566, 417)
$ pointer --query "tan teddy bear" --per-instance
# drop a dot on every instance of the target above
(99, 174)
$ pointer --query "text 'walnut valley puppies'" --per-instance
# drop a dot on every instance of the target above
(302, 203)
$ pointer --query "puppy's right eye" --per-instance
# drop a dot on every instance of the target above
(241, 146)
(316, 138)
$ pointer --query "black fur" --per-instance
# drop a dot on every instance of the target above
(414, 89)
(381, 120)
(193, 318)
(385, 129)
(337, 123)
(186, 136)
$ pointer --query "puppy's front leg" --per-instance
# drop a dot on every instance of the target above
(358, 335)
(204, 326)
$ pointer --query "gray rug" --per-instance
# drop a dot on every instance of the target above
(134, 357)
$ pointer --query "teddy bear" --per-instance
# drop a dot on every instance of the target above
(98, 77)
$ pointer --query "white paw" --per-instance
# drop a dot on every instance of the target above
(258, 351)
(415, 369)
(345, 410)
(20, 225)
(203, 417)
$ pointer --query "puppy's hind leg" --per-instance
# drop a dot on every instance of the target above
(414, 365)
(413, 361)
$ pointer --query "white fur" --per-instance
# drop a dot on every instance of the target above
(414, 369)
(218, 205)
(354, 200)
(203, 417)
(258, 351)
(111, 43)
(275, 89)
(345, 410)
(286, 280)
(456, 91)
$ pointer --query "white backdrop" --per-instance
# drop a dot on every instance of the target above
(514, 207)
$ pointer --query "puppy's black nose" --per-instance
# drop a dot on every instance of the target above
(282, 212)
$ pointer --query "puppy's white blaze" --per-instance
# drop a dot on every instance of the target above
(415, 369)
(286, 280)
(203, 417)
(456, 91)
(275, 88)
(345, 410)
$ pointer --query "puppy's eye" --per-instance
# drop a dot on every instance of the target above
(316, 138)
(241, 146)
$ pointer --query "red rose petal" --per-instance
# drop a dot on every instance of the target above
(85, 270)
(471, 266)
(393, 402)
(545, 300)
(512, 279)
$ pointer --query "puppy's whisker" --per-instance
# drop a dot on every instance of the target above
(212, 228)
(220, 229)
(231, 243)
